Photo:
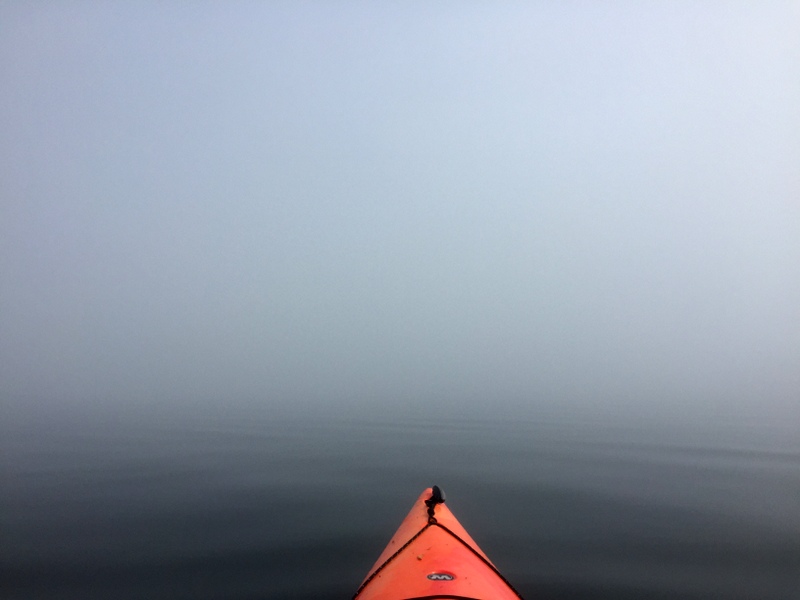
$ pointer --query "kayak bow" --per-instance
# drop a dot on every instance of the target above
(432, 557)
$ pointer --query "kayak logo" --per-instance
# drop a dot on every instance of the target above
(441, 577)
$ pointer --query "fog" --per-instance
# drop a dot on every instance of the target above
(313, 205)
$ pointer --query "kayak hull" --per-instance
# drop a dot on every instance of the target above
(432, 556)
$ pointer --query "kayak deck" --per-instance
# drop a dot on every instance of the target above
(430, 557)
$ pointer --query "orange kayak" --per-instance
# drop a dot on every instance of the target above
(432, 557)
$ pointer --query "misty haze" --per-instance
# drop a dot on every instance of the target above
(268, 272)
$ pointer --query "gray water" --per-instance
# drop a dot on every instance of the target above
(244, 503)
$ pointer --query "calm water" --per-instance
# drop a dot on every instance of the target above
(249, 505)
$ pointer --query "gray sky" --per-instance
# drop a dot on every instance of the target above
(578, 204)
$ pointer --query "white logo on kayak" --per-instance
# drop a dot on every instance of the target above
(441, 576)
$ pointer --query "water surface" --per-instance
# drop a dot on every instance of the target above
(247, 504)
